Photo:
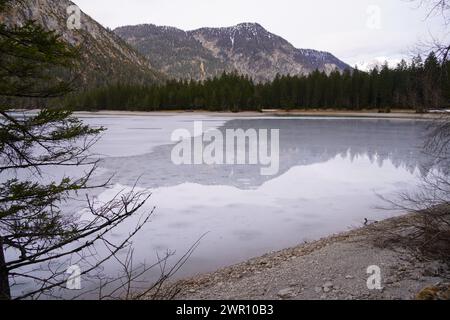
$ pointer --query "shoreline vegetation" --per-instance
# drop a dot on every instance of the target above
(394, 114)
(420, 84)
(334, 267)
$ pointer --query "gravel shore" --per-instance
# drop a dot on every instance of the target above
(331, 268)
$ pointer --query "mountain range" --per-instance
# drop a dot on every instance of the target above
(247, 48)
(149, 53)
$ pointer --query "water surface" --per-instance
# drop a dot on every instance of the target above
(332, 174)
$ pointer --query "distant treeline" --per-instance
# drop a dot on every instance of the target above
(418, 85)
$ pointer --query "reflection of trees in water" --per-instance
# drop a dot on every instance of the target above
(302, 142)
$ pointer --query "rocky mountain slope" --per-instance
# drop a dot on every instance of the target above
(105, 56)
(247, 48)
(173, 51)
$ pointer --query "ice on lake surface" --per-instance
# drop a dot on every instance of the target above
(332, 174)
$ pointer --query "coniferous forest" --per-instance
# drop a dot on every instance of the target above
(419, 85)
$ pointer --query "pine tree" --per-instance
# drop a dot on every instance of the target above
(34, 229)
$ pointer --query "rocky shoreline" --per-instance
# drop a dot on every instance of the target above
(329, 269)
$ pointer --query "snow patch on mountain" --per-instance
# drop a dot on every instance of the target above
(378, 62)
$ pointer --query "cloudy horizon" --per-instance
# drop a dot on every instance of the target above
(357, 32)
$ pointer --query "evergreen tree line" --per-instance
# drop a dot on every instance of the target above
(418, 85)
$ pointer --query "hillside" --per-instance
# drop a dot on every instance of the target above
(247, 48)
(173, 51)
(105, 58)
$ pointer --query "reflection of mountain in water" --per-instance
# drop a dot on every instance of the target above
(302, 142)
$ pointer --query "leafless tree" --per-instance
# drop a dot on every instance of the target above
(437, 44)
(426, 232)
(39, 239)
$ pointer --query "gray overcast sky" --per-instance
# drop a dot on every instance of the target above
(351, 29)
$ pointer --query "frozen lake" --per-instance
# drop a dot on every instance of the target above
(332, 173)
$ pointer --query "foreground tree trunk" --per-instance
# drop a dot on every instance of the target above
(5, 293)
